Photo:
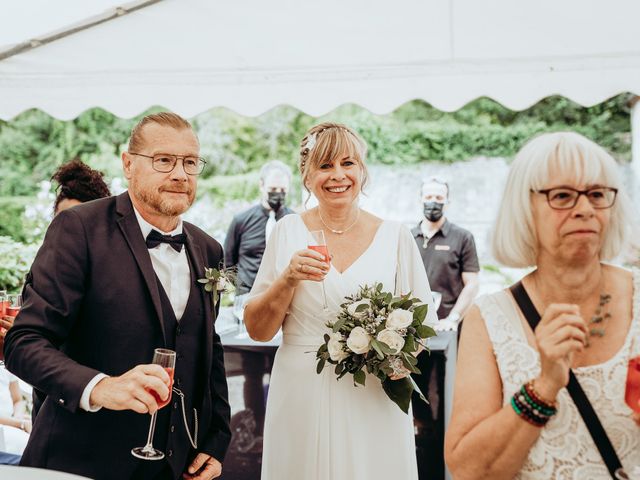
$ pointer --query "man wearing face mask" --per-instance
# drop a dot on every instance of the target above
(448, 253)
(249, 230)
(450, 259)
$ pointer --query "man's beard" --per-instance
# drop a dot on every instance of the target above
(163, 206)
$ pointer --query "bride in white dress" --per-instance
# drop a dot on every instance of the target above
(318, 428)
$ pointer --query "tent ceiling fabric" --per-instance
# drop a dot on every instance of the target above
(251, 55)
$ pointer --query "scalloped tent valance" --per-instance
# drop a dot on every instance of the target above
(251, 55)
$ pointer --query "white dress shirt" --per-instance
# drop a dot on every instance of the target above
(172, 269)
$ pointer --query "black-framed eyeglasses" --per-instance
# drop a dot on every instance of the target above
(165, 163)
(564, 198)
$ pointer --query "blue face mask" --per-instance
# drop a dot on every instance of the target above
(433, 211)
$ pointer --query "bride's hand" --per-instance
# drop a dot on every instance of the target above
(306, 265)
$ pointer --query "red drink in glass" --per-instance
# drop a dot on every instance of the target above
(3, 307)
(163, 403)
(632, 391)
(322, 250)
(11, 311)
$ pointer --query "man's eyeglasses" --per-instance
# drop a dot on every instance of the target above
(565, 198)
(165, 163)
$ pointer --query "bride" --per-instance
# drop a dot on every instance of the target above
(318, 428)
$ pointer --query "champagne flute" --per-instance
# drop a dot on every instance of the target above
(13, 305)
(318, 244)
(4, 302)
(166, 359)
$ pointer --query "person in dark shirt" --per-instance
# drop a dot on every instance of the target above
(448, 253)
(244, 247)
(450, 259)
(247, 235)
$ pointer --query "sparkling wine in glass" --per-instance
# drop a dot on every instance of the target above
(167, 360)
(4, 302)
(13, 305)
(632, 390)
(318, 243)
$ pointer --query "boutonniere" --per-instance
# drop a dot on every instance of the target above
(216, 282)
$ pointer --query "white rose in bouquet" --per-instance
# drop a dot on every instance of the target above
(399, 319)
(392, 338)
(336, 348)
(351, 309)
(359, 340)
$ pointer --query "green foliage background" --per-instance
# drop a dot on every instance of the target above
(33, 144)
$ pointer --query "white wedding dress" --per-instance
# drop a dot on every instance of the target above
(318, 428)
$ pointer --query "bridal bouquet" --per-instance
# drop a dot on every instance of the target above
(380, 334)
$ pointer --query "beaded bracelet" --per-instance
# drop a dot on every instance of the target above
(533, 393)
(530, 406)
(526, 412)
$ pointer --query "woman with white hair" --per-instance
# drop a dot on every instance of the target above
(564, 212)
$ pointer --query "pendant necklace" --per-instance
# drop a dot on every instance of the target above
(339, 232)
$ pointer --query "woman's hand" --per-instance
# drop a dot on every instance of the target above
(561, 333)
(306, 265)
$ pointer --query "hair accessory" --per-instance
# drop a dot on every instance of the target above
(311, 142)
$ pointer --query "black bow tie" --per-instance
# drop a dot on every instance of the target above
(155, 238)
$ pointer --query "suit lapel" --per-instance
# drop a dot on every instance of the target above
(199, 264)
(130, 228)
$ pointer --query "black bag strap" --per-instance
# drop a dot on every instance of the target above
(581, 400)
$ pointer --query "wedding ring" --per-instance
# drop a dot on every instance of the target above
(300, 268)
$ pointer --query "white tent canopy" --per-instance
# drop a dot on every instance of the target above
(251, 55)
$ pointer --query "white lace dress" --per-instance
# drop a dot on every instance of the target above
(317, 428)
(565, 449)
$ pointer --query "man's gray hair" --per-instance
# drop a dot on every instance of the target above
(275, 166)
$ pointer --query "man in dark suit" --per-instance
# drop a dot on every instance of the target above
(97, 303)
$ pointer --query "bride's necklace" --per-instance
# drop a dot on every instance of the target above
(339, 232)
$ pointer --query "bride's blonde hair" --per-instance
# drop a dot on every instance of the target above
(326, 141)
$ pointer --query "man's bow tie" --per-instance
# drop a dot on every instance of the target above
(155, 238)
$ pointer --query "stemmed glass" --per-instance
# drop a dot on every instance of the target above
(13, 305)
(4, 302)
(166, 359)
(318, 243)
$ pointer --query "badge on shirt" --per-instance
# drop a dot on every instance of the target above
(442, 247)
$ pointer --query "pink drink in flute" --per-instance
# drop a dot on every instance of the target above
(318, 244)
(12, 307)
(632, 390)
(167, 360)
(163, 403)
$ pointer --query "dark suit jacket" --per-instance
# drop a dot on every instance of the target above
(91, 305)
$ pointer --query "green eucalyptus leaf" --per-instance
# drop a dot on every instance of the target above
(420, 313)
(359, 377)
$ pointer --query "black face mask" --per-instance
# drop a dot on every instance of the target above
(276, 200)
(433, 211)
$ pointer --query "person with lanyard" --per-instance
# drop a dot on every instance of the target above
(249, 230)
